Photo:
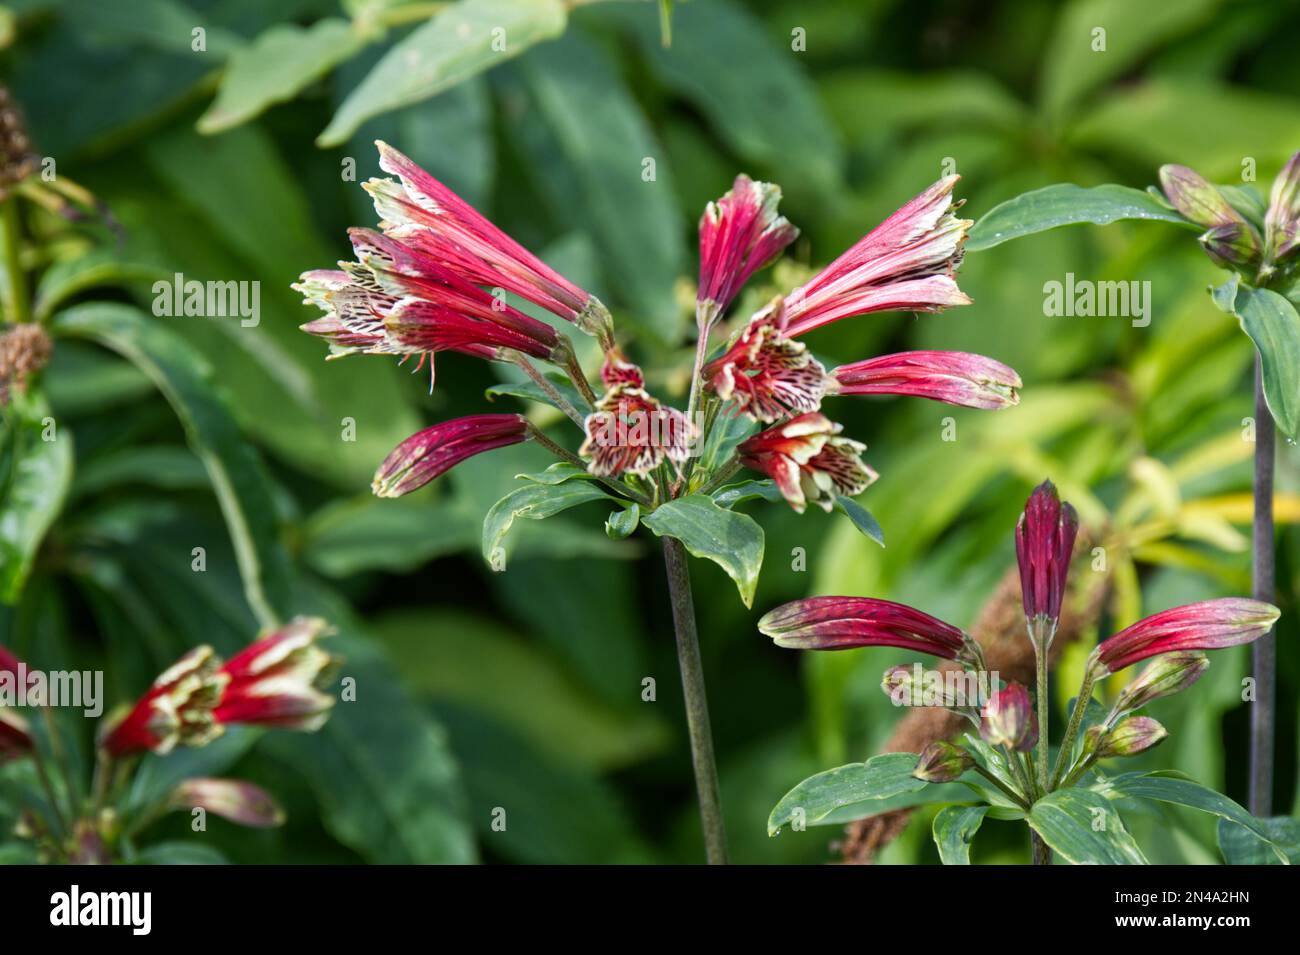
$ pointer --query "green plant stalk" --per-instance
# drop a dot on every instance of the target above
(1010, 793)
(697, 706)
(1072, 728)
(1042, 855)
(1264, 652)
(16, 307)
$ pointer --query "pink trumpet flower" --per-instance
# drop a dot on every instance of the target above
(276, 681)
(1044, 542)
(907, 262)
(631, 431)
(15, 738)
(429, 453)
(769, 376)
(957, 378)
(843, 623)
(1208, 625)
(739, 234)
(809, 461)
(423, 213)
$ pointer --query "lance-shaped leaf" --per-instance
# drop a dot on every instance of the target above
(1240, 846)
(857, 786)
(731, 540)
(1174, 787)
(464, 39)
(1066, 204)
(954, 829)
(535, 502)
(276, 66)
(1273, 325)
(1082, 827)
(34, 478)
(240, 481)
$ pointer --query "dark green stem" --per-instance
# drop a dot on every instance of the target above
(697, 706)
(1264, 652)
(1010, 793)
(1072, 728)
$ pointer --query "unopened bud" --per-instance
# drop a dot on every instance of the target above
(942, 762)
(1166, 675)
(1130, 736)
(1234, 245)
(1009, 719)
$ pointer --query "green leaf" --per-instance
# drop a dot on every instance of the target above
(1072, 67)
(161, 466)
(98, 267)
(731, 540)
(277, 66)
(753, 91)
(860, 788)
(1082, 827)
(234, 467)
(364, 533)
(531, 391)
(34, 477)
(1241, 846)
(590, 141)
(1066, 204)
(472, 660)
(383, 773)
(732, 494)
(1172, 787)
(181, 853)
(861, 518)
(621, 524)
(535, 502)
(1274, 326)
(558, 473)
(954, 828)
(464, 39)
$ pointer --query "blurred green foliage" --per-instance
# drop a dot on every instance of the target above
(524, 690)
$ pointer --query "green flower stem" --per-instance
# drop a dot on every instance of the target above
(1072, 728)
(579, 379)
(721, 476)
(697, 706)
(1264, 652)
(16, 307)
(563, 403)
(1010, 793)
(536, 434)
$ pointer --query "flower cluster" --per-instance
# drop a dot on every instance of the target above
(274, 682)
(1231, 239)
(437, 274)
(1045, 536)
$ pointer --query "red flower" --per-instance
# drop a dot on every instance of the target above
(434, 451)
(843, 623)
(1208, 625)
(769, 375)
(276, 681)
(739, 234)
(808, 460)
(1044, 541)
(958, 378)
(177, 708)
(426, 215)
(906, 262)
(15, 738)
(631, 432)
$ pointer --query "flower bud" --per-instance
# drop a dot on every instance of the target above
(1166, 675)
(1129, 737)
(1044, 542)
(1207, 625)
(240, 802)
(1234, 245)
(841, 623)
(942, 762)
(1195, 198)
(1282, 236)
(1009, 719)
